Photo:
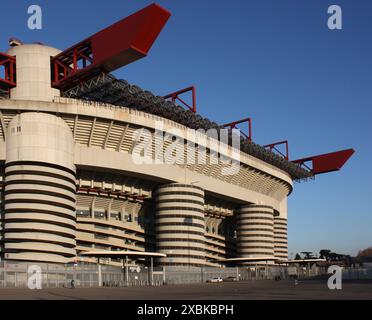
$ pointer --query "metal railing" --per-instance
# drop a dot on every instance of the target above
(16, 275)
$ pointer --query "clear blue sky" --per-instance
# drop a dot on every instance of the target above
(275, 61)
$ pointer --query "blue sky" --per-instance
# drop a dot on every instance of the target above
(274, 61)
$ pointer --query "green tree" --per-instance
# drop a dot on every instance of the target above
(298, 257)
(308, 255)
(324, 254)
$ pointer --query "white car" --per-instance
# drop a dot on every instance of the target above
(215, 280)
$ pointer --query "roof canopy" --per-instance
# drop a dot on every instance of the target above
(301, 261)
(123, 254)
(248, 259)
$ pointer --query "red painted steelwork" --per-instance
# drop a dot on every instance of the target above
(176, 96)
(273, 148)
(327, 162)
(114, 47)
(233, 125)
(8, 63)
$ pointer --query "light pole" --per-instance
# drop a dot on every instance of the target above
(152, 270)
(126, 268)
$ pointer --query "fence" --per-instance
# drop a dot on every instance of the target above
(357, 273)
(182, 275)
(15, 275)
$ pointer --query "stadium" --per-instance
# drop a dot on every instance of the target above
(71, 191)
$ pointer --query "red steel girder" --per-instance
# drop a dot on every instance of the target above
(326, 163)
(233, 125)
(112, 48)
(176, 96)
(8, 76)
(273, 148)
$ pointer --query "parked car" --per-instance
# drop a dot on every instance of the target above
(230, 279)
(215, 280)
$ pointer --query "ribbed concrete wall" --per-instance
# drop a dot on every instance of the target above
(180, 224)
(255, 231)
(280, 238)
(40, 192)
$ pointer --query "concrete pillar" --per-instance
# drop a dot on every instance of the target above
(152, 271)
(40, 190)
(99, 274)
(127, 270)
(33, 73)
(255, 232)
(180, 224)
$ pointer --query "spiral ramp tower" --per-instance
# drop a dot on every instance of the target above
(281, 237)
(40, 193)
(180, 224)
(255, 232)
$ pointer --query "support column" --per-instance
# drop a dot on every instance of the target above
(99, 273)
(127, 270)
(180, 225)
(255, 231)
(152, 270)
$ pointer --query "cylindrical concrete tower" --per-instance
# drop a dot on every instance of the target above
(40, 192)
(280, 238)
(33, 73)
(255, 231)
(180, 224)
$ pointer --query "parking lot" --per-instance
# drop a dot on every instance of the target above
(250, 290)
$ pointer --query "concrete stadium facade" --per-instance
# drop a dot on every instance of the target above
(69, 184)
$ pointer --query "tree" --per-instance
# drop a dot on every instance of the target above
(366, 253)
(308, 255)
(324, 254)
(334, 256)
(298, 257)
